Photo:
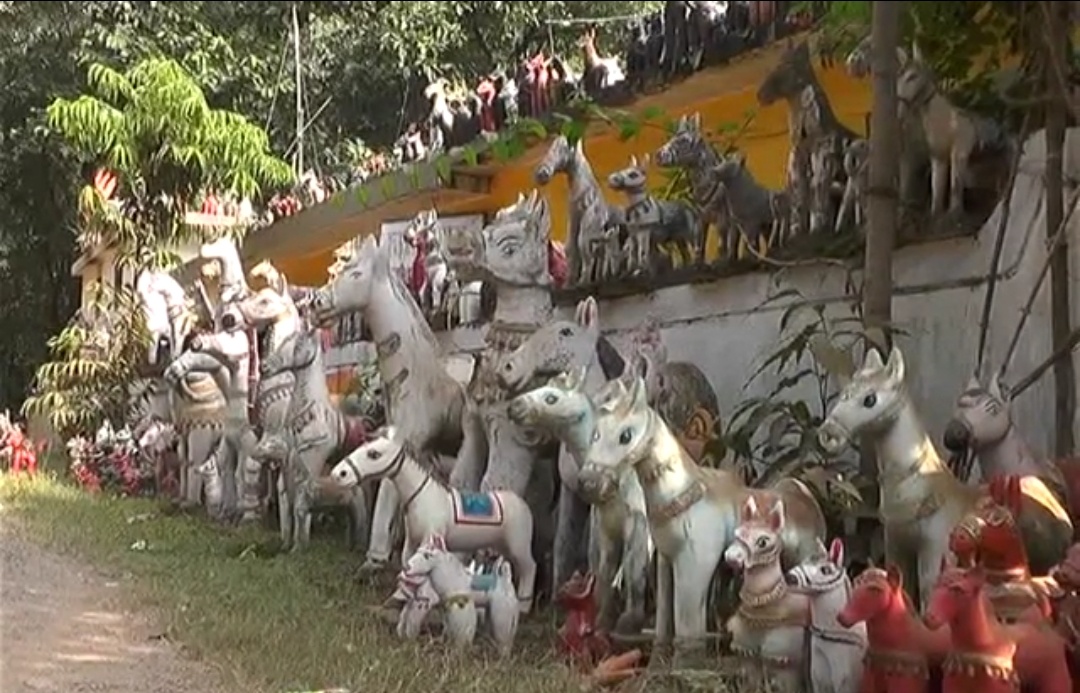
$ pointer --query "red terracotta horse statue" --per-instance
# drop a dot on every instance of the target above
(1066, 577)
(902, 652)
(986, 655)
(988, 537)
(579, 638)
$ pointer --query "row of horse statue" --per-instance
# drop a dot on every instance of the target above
(824, 192)
(558, 444)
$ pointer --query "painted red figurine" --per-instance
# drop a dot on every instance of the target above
(988, 537)
(579, 638)
(21, 449)
(988, 656)
(903, 653)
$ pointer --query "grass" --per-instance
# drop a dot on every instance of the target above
(273, 622)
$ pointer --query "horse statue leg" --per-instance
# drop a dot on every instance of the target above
(386, 508)
(635, 565)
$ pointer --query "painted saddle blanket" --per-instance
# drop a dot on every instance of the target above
(472, 508)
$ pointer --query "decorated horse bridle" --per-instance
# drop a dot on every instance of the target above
(390, 472)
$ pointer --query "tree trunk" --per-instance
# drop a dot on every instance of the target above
(882, 200)
(882, 206)
(1055, 66)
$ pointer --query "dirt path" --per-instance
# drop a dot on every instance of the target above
(65, 629)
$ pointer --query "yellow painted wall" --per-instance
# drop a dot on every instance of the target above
(720, 95)
(765, 142)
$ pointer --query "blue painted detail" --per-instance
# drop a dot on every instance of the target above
(477, 504)
(485, 582)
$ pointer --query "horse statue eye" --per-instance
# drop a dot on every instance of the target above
(762, 542)
(626, 436)
(566, 332)
(550, 399)
(827, 569)
(374, 454)
(870, 400)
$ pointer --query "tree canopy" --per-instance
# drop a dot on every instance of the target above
(238, 57)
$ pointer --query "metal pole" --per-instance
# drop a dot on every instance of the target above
(298, 158)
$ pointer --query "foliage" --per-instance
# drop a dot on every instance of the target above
(292, 624)
(968, 63)
(93, 362)
(37, 188)
(154, 128)
(776, 433)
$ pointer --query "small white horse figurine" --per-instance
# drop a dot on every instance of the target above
(498, 520)
(420, 599)
(460, 593)
(770, 624)
(836, 653)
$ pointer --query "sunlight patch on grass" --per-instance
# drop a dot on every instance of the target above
(280, 622)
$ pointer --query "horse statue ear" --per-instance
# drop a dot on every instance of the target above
(972, 384)
(776, 516)
(836, 551)
(578, 378)
(633, 161)
(873, 360)
(639, 394)
(895, 367)
(995, 388)
(895, 577)
(902, 58)
(749, 510)
(588, 313)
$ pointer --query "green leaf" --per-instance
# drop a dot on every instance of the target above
(573, 130)
(443, 166)
(628, 129)
(532, 127)
(387, 187)
(500, 150)
(470, 155)
(363, 194)
(652, 113)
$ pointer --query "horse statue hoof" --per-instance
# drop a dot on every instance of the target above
(370, 567)
(630, 623)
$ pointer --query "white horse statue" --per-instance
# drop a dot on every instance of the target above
(461, 594)
(469, 521)
(836, 653)
(693, 511)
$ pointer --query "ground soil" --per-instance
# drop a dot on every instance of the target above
(68, 628)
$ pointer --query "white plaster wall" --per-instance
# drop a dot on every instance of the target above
(940, 289)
